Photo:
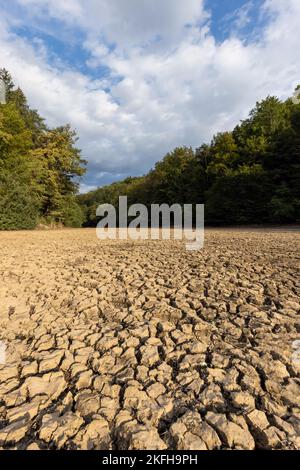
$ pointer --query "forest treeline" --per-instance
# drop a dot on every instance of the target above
(39, 167)
(248, 176)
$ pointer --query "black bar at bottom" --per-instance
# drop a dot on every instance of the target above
(138, 459)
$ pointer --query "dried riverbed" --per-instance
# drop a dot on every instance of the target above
(144, 345)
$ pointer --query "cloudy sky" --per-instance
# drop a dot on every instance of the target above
(136, 78)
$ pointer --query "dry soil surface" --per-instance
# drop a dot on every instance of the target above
(122, 345)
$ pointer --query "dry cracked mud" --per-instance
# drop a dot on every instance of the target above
(144, 345)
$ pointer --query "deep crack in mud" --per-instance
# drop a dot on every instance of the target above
(144, 345)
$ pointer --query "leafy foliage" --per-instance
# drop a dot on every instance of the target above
(37, 167)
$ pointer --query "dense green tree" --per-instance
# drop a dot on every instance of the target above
(8, 82)
(239, 197)
(59, 161)
(38, 166)
(174, 178)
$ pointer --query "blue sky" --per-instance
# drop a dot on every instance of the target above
(243, 17)
(227, 17)
(136, 78)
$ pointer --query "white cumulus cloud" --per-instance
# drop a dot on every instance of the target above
(169, 82)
